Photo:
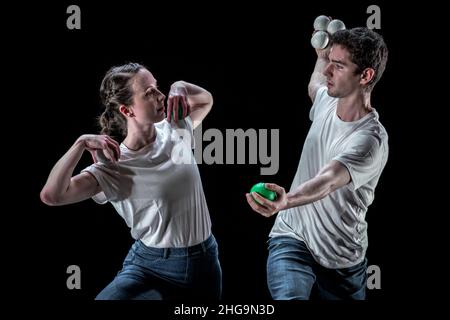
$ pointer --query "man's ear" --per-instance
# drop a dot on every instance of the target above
(367, 76)
(126, 111)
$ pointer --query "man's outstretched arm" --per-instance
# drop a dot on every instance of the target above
(330, 178)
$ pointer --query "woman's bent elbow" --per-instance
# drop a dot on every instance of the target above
(48, 198)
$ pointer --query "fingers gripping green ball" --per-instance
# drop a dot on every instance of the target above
(263, 191)
(180, 112)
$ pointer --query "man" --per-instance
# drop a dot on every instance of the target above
(319, 238)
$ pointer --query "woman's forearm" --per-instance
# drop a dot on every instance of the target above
(59, 179)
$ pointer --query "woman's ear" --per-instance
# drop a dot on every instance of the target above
(126, 111)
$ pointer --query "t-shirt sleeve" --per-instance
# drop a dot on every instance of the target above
(363, 159)
(109, 180)
(321, 95)
(190, 127)
(187, 128)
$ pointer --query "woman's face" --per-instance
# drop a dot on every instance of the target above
(148, 101)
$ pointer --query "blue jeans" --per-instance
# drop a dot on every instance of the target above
(191, 273)
(292, 273)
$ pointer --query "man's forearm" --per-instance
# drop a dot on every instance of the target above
(319, 68)
(309, 191)
(317, 77)
(331, 177)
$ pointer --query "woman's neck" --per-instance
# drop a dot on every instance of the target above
(139, 137)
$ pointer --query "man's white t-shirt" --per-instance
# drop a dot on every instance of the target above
(158, 190)
(334, 228)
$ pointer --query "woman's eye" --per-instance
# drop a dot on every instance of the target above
(151, 91)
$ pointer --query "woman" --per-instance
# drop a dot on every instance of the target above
(160, 198)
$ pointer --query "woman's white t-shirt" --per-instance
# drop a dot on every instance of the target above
(158, 189)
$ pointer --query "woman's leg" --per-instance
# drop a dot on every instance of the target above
(133, 282)
(130, 284)
(205, 272)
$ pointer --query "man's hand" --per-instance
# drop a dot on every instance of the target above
(266, 207)
(323, 53)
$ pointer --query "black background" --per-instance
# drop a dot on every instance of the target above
(256, 60)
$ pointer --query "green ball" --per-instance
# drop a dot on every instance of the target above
(180, 112)
(263, 191)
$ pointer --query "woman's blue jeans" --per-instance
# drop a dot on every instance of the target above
(191, 273)
(292, 273)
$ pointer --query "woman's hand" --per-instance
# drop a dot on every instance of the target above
(177, 95)
(94, 143)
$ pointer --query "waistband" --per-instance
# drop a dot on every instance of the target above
(202, 247)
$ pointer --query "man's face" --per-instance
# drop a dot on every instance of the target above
(340, 73)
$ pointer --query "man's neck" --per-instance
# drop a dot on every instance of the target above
(353, 107)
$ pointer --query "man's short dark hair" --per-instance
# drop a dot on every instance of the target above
(367, 50)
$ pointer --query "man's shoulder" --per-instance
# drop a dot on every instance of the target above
(373, 126)
(371, 135)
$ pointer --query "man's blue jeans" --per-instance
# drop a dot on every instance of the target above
(292, 273)
(191, 273)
